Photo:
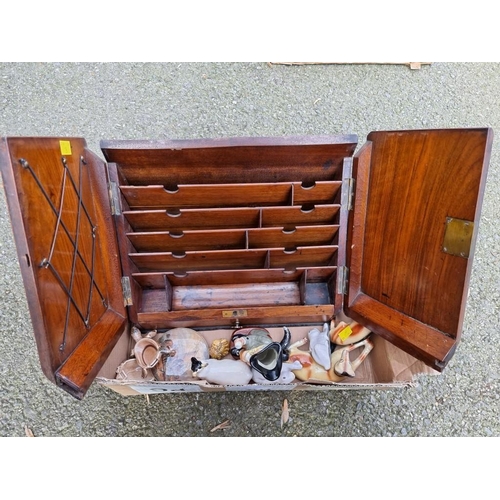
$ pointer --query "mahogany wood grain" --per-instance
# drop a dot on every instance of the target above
(236, 259)
(292, 238)
(69, 257)
(122, 227)
(227, 218)
(232, 276)
(271, 315)
(337, 290)
(224, 239)
(184, 241)
(197, 261)
(304, 257)
(402, 281)
(192, 219)
(229, 195)
(232, 160)
(305, 215)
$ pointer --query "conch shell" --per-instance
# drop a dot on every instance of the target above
(219, 348)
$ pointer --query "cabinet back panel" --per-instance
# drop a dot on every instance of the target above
(232, 160)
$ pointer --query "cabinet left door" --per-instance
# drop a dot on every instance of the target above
(57, 194)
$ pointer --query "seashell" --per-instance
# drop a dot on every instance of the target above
(219, 348)
(178, 346)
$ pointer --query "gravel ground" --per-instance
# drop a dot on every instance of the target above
(155, 101)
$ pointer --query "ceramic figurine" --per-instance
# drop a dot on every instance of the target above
(146, 350)
(319, 345)
(256, 347)
(219, 348)
(346, 334)
(341, 365)
(178, 346)
(287, 375)
(221, 371)
(249, 338)
(130, 371)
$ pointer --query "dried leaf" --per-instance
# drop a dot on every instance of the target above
(223, 425)
(285, 415)
(28, 432)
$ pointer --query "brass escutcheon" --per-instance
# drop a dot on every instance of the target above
(458, 237)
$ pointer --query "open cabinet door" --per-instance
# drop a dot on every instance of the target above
(57, 196)
(412, 233)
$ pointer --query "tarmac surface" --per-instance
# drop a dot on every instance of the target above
(209, 100)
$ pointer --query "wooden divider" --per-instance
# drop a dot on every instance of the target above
(226, 218)
(230, 195)
(203, 251)
(278, 258)
(184, 241)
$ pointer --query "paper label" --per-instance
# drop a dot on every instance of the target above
(345, 333)
(65, 148)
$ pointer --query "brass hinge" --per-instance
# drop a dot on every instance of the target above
(350, 193)
(347, 199)
(127, 291)
(114, 198)
(342, 279)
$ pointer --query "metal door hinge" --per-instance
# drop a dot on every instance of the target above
(127, 291)
(342, 279)
(114, 198)
(350, 193)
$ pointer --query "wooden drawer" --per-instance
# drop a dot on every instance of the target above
(214, 235)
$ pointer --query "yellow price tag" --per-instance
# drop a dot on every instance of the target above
(65, 148)
(345, 333)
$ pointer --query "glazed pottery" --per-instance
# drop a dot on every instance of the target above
(221, 371)
(147, 353)
(320, 347)
(348, 333)
(341, 366)
(256, 347)
(130, 371)
(287, 375)
(146, 350)
(248, 338)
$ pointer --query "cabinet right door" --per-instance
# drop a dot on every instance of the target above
(411, 235)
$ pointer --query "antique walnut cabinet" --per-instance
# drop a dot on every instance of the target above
(211, 234)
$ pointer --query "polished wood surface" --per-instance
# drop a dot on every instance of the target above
(231, 160)
(229, 195)
(204, 215)
(68, 254)
(226, 218)
(402, 282)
